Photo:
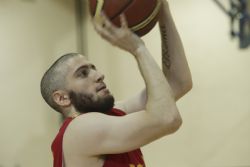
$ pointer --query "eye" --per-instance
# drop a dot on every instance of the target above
(83, 73)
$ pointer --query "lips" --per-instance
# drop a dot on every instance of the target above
(101, 87)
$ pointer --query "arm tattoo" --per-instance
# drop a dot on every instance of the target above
(165, 54)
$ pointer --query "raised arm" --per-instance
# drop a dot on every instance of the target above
(98, 134)
(174, 62)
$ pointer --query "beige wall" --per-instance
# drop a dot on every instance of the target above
(32, 34)
(216, 113)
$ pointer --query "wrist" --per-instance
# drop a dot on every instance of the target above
(139, 51)
(164, 12)
(165, 5)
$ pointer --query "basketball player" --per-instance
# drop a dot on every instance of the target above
(100, 133)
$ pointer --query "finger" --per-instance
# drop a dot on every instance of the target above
(102, 19)
(123, 20)
(103, 32)
(103, 23)
(106, 21)
(97, 25)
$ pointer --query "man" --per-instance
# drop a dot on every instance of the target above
(100, 133)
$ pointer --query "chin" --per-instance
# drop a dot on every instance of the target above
(102, 102)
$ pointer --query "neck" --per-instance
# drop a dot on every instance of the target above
(71, 114)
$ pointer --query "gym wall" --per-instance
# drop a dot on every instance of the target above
(33, 33)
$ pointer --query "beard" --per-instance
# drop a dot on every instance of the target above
(84, 102)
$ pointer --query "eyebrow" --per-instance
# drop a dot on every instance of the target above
(86, 66)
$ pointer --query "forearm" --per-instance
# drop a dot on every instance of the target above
(174, 62)
(160, 99)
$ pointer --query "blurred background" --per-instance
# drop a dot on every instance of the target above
(216, 113)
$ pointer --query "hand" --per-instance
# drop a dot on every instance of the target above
(121, 37)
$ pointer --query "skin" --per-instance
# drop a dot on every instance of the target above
(92, 135)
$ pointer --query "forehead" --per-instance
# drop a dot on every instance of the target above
(75, 62)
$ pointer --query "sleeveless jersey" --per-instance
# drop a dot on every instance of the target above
(128, 159)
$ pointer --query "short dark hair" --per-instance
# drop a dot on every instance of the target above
(54, 79)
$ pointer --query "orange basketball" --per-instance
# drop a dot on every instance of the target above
(141, 15)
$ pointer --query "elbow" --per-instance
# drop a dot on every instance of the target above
(172, 124)
(175, 124)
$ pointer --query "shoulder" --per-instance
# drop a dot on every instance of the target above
(91, 125)
(84, 122)
(82, 132)
(93, 119)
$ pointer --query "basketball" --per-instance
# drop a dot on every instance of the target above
(141, 15)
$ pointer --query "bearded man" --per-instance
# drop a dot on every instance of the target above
(97, 132)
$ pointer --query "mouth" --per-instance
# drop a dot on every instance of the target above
(101, 87)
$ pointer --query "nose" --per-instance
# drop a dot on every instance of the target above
(100, 77)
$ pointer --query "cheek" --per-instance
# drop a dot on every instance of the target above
(84, 87)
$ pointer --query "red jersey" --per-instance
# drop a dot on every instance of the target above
(128, 159)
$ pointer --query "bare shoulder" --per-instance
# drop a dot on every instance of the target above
(79, 137)
(84, 129)
(82, 121)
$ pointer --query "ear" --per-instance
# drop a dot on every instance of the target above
(61, 98)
